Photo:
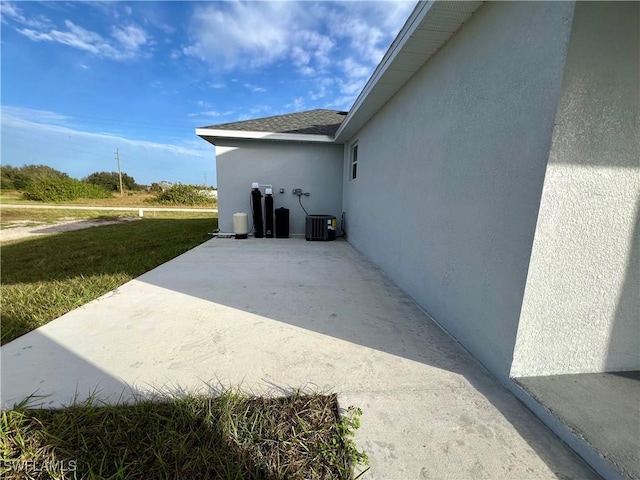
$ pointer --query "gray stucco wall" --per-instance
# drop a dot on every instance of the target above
(316, 168)
(582, 301)
(451, 169)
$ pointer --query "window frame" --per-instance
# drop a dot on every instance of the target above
(353, 163)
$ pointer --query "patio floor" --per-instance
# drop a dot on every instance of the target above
(276, 314)
(602, 409)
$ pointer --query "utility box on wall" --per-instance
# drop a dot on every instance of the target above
(320, 228)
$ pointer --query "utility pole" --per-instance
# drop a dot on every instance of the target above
(119, 172)
(205, 178)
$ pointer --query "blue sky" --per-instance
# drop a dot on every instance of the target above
(82, 79)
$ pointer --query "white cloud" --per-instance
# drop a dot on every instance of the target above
(166, 29)
(206, 113)
(205, 116)
(253, 34)
(354, 69)
(242, 34)
(297, 104)
(341, 103)
(76, 37)
(79, 152)
(368, 27)
(238, 33)
(10, 11)
(44, 122)
(311, 47)
(354, 77)
(259, 109)
(128, 10)
(254, 88)
(33, 115)
(337, 43)
(126, 44)
(130, 37)
(322, 88)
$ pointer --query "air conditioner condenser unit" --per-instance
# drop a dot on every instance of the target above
(320, 228)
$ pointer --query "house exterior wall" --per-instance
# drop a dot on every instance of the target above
(316, 168)
(581, 304)
(450, 173)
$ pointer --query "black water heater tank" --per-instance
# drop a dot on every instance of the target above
(282, 222)
(268, 214)
(256, 206)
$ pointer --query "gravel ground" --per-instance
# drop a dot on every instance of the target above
(27, 228)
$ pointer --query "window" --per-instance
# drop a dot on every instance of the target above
(354, 161)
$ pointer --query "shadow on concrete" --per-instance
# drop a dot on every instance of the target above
(60, 378)
(331, 289)
(324, 287)
(327, 288)
(144, 434)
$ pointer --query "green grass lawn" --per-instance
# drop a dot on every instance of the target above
(222, 436)
(45, 277)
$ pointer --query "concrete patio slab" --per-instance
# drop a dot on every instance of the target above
(276, 314)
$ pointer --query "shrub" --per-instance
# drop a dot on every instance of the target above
(6, 183)
(62, 189)
(20, 177)
(184, 195)
(111, 181)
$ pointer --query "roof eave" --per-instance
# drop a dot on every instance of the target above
(393, 72)
(211, 134)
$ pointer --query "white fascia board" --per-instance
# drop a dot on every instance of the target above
(211, 133)
(410, 26)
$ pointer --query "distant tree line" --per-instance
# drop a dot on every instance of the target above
(111, 181)
(44, 183)
(17, 178)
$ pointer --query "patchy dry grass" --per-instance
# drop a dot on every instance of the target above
(11, 216)
(228, 436)
(129, 199)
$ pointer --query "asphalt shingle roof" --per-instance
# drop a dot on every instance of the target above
(314, 122)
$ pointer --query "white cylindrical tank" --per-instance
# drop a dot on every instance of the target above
(240, 225)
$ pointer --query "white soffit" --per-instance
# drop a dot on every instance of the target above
(211, 134)
(426, 30)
